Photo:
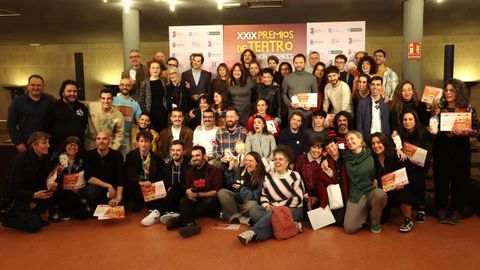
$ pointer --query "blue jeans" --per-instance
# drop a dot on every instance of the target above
(263, 221)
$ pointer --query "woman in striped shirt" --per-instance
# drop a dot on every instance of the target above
(281, 187)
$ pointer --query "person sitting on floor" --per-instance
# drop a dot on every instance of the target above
(236, 204)
(203, 182)
(281, 187)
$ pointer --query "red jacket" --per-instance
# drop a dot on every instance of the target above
(309, 173)
(324, 181)
(249, 124)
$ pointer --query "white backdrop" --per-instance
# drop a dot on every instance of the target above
(204, 39)
(333, 38)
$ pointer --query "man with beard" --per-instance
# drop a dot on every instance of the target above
(68, 109)
(177, 131)
(103, 117)
(341, 126)
(26, 112)
(203, 183)
(130, 110)
(337, 93)
(205, 134)
(174, 178)
(293, 136)
(103, 173)
(298, 82)
(373, 114)
(226, 138)
(137, 72)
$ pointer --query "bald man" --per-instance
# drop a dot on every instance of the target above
(104, 173)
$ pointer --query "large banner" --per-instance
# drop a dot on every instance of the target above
(333, 38)
(282, 40)
(204, 39)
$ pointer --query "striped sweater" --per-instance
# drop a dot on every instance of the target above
(286, 190)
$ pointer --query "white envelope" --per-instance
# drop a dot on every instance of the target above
(320, 217)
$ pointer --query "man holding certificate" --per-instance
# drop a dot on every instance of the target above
(300, 90)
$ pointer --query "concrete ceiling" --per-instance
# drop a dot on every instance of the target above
(92, 21)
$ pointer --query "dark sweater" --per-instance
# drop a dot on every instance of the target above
(109, 168)
(58, 114)
(29, 174)
(297, 141)
(25, 116)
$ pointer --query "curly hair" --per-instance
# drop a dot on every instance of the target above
(460, 90)
(371, 61)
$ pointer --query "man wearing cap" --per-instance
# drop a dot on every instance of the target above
(68, 109)
(28, 191)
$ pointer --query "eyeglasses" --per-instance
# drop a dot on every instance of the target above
(134, 56)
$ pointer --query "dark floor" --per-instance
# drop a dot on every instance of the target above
(126, 244)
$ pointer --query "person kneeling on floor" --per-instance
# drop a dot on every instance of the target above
(29, 193)
(203, 182)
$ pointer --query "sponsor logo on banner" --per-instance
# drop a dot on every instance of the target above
(174, 34)
(174, 44)
(353, 40)
(335, 52)
(195, 44)
(334, 41)
(214, 64)
(334, 30)
(213, 33)
(355, 29)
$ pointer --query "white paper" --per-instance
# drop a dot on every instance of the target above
(133, 74)
(271, 127)
(308, 100)
(460, 120)
(320, 217)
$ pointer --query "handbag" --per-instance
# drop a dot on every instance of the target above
(283, 224)
(335, 200)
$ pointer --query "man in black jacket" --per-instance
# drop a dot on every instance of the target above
(174, 177)
(198, 79)
(66, 117)
(30, 195)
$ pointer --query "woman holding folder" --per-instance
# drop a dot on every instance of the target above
(387, 161)
(415, 135)
(451, 154)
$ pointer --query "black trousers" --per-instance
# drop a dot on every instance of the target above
(74, 203)
(168, 204)
(21, 217)
(451, 171)
(189, 210)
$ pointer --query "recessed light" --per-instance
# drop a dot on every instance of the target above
(35, 44)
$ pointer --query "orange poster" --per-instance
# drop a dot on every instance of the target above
(282, 40)
(461, 120)
(415, 154)
(105, 211)
(154, 192)
(431, 94)
(394, 179)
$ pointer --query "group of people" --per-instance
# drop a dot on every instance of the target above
(239, 145)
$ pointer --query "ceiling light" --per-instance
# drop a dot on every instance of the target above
(439, 1)
(104, 1)
(172, 5)
(8, 13)
(231, 5)
(35, 44)
(220, 4)
(126, 5)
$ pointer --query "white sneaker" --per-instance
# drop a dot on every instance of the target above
(167, 216)
(244, 220)
(151, 219)
(299, 227)
(246, 237)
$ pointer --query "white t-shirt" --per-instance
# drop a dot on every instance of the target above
(176, 133)
(376, 118)
(205, 138)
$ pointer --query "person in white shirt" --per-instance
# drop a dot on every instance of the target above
(205, 134)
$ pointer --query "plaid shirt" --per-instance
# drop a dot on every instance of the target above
(227, 140)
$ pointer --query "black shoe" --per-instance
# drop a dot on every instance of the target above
(190, 230)
(45, 223)
(54, 215)
(174, 223)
